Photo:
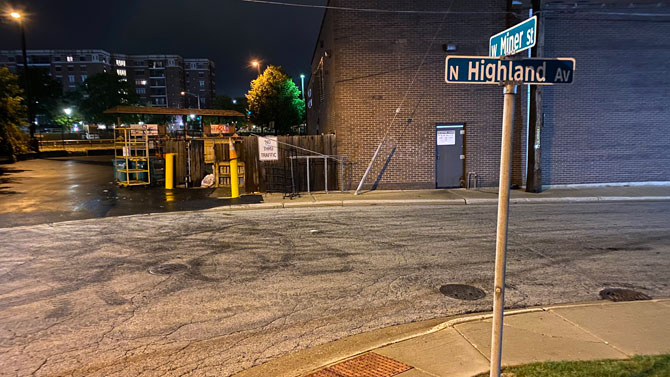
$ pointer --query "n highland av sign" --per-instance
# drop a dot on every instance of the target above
(485, 70)
(515, 39)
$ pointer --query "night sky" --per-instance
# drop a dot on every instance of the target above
(230, 32)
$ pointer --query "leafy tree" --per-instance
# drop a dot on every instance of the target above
(46, 92)
(275, 97)
(103, 91)
(13, 141)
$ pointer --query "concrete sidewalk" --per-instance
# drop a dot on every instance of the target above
(460, 197)
(460, 346)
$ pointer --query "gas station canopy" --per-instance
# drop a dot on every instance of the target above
(172, 111)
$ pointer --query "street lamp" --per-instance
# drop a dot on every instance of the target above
(302, 84)
(256, 64)
(68, 112)
(18, 17)
(194, 95)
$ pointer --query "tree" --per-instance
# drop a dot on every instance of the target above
(46, 92)
(13, 141)
(275, 97)
(103, 91)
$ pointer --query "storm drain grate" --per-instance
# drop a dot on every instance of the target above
(368, 365)
(462, 292)
(621, 294)
(168, 268)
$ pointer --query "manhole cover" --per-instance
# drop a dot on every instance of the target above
(168, 268)
(462, 292)
(621, 294)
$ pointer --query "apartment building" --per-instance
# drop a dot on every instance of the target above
(159, 80)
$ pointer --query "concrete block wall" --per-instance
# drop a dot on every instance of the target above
(613, 123)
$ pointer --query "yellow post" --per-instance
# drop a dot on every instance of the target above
(234, 179)
(169, 170)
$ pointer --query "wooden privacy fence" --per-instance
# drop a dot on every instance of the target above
(267, 176)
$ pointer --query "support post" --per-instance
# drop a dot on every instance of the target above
(234, 179)
(325, 172)
(535, 115)
(308, 190)
(501, 231)
(169, 170)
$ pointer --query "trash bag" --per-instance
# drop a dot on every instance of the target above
(208, 181)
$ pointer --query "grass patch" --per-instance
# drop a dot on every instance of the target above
(637, 366)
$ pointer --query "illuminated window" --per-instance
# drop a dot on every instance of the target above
(83, 78)
(140, 82)
(69, 58)
(202, 83)
(120, 63)
(121, 72)
(141, 90)
(70, 78)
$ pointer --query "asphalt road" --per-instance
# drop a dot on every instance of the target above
(72, 188)
(77, 298)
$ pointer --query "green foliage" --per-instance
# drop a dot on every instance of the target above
(66, 121)
(13, 141)
(46, 92)
(275, 97)
(103, 91)
(637, 366)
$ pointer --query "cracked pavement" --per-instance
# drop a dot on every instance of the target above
(76, 297)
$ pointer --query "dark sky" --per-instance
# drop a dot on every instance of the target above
(230, 32)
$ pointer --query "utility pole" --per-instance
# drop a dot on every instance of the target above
(535, 115)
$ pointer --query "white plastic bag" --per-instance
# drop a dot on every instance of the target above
(208, 181)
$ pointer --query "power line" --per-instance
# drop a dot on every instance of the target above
(375, 10)
(573, 10)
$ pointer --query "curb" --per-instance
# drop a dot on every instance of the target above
(470, 201)
(310, 360)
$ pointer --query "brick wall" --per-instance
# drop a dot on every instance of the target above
(373, 64)
(613, 123)
(606, 127)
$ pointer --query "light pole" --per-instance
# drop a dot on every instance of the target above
(194, 95)
(18, 17)
(256, 64)
(302, 85)
(68, 112)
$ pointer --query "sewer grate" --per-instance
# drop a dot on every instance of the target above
(368, 365)
(168, 269)
(621, 294)
(462, 292)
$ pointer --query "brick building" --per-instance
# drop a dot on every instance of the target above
(159, 80)
(378, 73)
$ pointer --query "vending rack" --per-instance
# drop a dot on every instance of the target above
(131, 156)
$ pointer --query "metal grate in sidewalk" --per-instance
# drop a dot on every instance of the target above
(367, 365)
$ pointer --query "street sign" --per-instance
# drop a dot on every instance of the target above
(486, 70)
(515, 39)
(268, 149)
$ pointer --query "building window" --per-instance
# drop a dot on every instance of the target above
(82, 68)
(141, 90)
(202, 83)
(121, 72)
(139, 72)
(94, 58)
(120, 63)
(70, 78)
(58, 68)
(202, 101)
(83, 78)
(56, 58)
(159, 101)
(69, 58)
(70, 68)
(171, 62)
(140, 82)
(82, 58)
(201, 74)
(194, 66)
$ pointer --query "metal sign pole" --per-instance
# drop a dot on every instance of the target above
(501, 232)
